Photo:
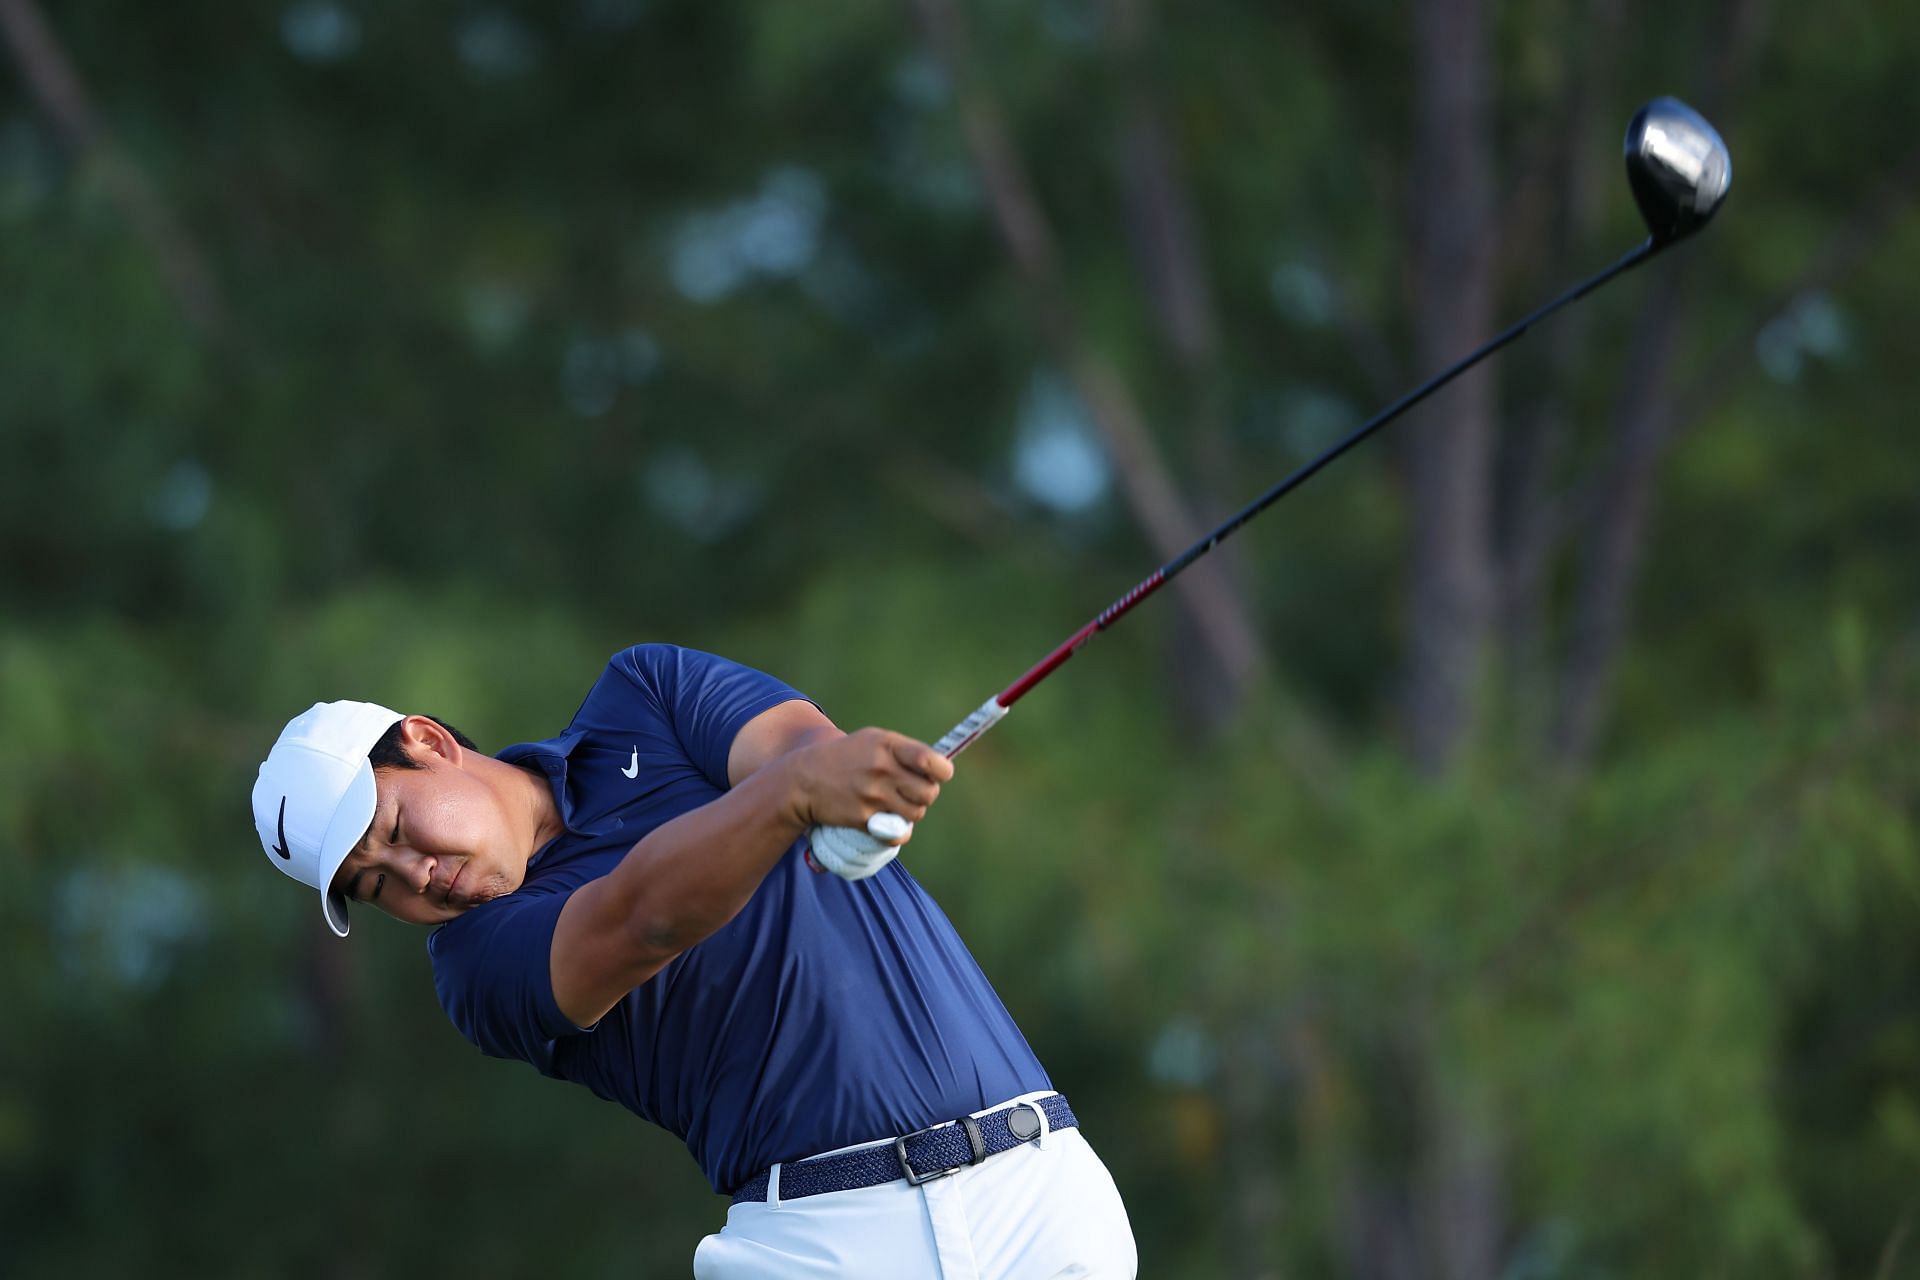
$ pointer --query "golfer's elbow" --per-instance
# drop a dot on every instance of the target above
(657, 931)
(653, 940)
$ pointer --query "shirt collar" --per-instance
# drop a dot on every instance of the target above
(551, 757)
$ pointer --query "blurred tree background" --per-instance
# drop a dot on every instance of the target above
(1500, 861)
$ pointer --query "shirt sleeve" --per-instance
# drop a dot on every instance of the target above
(493, 972)
(706, 699)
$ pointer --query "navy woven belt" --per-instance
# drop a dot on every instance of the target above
(917, 1157)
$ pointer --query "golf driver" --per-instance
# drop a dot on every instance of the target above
(1679, 170)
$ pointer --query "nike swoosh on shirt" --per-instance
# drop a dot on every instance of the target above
(633, 766)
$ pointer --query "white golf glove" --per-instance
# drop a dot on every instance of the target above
(853, 854)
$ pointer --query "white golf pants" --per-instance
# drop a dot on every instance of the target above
(1048, 1208)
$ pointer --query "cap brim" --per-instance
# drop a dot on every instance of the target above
(350, 821)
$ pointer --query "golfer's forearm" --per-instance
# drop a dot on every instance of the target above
(775, 733)
(690, 876)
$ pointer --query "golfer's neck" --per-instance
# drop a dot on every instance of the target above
(534, 798)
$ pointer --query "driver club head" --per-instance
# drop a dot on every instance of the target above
(1679, 168)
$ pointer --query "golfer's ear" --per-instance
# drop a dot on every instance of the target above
(423, 735)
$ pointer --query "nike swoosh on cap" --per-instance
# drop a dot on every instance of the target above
(281, 847)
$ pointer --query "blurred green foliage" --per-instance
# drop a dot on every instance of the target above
(554, 328)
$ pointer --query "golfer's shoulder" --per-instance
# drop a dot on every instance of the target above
(487, 917)
(640, 674)
(514, 926)
(656, 668)
(656, 658)
(653, 655)
(491, 976)
(680, 677)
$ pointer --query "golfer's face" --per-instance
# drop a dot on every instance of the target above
(437, 846)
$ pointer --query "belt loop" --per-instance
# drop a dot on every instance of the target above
(1045, 1126)
(773, 1187)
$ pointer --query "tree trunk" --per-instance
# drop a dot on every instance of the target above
(1528, 537)
(58, 91)
(1449, 451)
(1618, 535)
(1221, 623)
(1642, 424)
(1462, 1184)
(1163, 231)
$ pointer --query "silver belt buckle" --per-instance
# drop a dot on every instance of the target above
(977, 1151)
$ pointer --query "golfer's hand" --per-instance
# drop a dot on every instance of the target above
(846, 781)
(861, 796)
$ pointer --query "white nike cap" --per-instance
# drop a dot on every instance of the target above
(314, 797)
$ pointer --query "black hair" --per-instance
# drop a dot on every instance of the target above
(388, 753)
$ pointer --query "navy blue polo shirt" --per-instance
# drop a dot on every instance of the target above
(825, 1014)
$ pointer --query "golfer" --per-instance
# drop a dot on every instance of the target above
(631, 906)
